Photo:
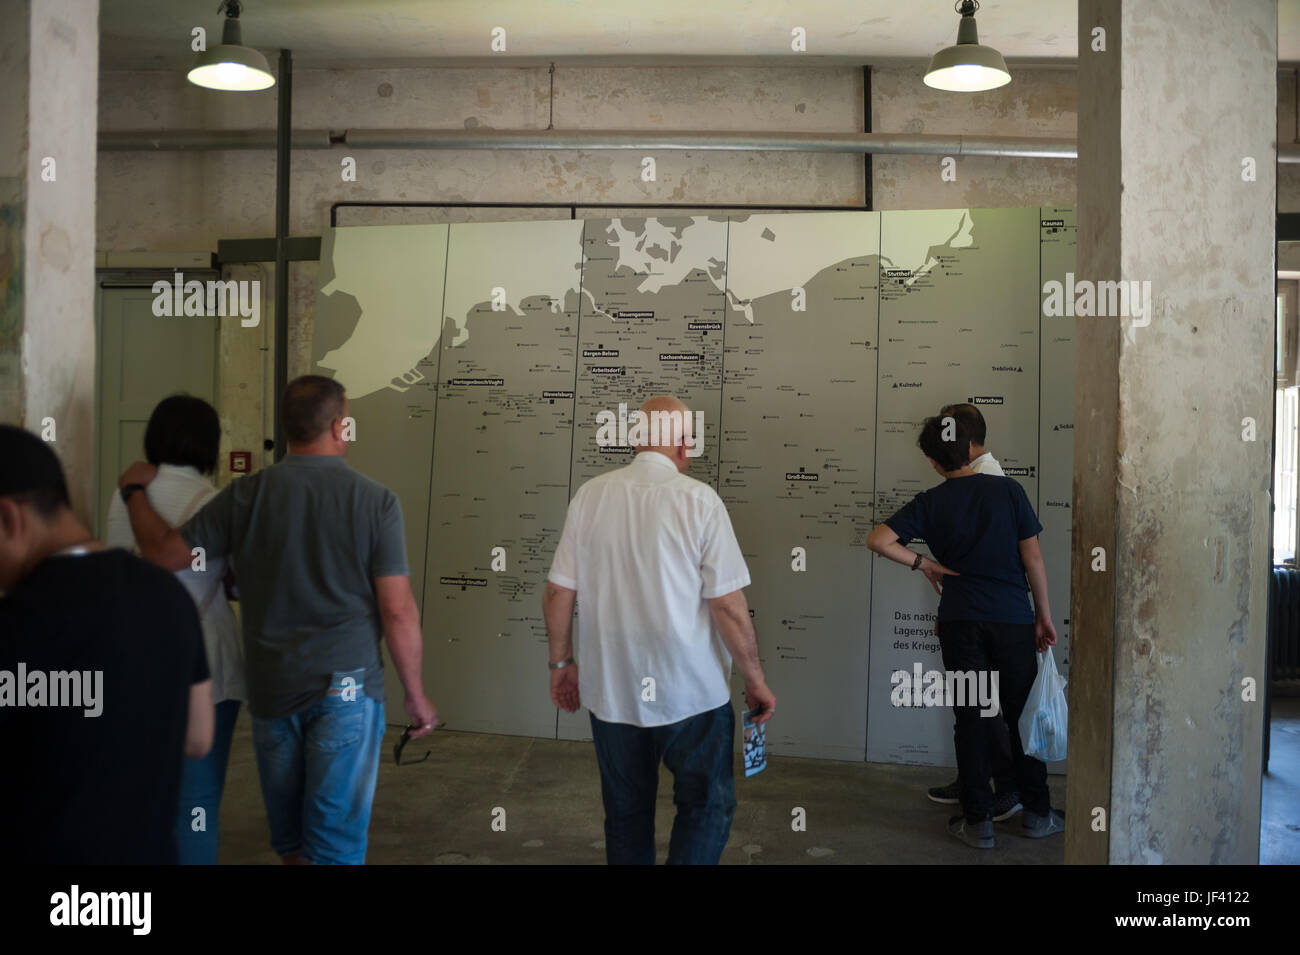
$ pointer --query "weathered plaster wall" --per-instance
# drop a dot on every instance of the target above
(1189, 498)
(1042, 102)
(47, 236)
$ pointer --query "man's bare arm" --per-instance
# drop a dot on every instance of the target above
(401, 622)
(557, 608)
(1032, 557)
(159, 543)
(730, 614)
(203, 719)
(883, 540)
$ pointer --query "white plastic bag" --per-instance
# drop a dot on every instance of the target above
(1044, 721)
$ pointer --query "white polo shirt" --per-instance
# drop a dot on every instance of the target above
(987, 464)
(645, 547)
(176, 494)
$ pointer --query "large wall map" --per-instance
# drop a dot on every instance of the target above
(478, 355)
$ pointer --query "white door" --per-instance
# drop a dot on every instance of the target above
(143, 359)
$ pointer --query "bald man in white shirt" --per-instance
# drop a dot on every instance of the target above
(664, 614)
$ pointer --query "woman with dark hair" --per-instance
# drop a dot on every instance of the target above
(181, 440)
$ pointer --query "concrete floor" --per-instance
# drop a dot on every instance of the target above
(1279, 835)
(440, 811)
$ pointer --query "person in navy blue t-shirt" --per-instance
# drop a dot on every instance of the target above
(984, 536)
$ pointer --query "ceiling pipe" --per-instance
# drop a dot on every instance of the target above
(183, 140)
(705, 140)
(702, 140)
(878, 143)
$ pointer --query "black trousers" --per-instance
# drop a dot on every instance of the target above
(1007, 649)
(1004, 768)
(1000, 760)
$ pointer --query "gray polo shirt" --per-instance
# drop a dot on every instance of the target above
(306, 537)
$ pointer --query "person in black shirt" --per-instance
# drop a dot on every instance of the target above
(103, 681)
(1006, 800)
(984, 536)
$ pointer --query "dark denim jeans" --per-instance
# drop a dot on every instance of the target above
(1009, 649)
(698, 751)
(202, 782)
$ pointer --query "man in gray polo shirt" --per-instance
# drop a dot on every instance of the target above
(319, 553)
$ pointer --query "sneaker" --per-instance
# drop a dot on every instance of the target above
(1036, 826)
(1005, 805)
(977, 835)
(949, 795)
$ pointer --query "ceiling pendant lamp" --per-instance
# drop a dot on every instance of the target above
(967, 67)
(231, 65)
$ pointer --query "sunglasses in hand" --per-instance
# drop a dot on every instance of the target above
(401, 745)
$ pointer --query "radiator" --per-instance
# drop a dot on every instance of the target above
(1284, 635)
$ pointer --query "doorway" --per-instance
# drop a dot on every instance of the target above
(1279, 838)
(142, 359)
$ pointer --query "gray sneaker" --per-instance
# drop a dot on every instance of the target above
(1036, 826)
(976, 835)
(1005, 805)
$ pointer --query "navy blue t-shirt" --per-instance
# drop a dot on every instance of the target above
(974, 525)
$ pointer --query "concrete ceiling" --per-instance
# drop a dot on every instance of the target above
(150, 34)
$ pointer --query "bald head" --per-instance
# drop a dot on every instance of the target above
(674, 422)
(665, 403)
(671, 429)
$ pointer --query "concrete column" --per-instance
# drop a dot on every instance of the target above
(49, 65)
(1170, 116)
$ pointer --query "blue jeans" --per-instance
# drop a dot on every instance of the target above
(698, 751)
(202, 781)
(318, 771)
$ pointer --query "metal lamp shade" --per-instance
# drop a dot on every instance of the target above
(967, 68)
(231, 65)
(235, 68)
